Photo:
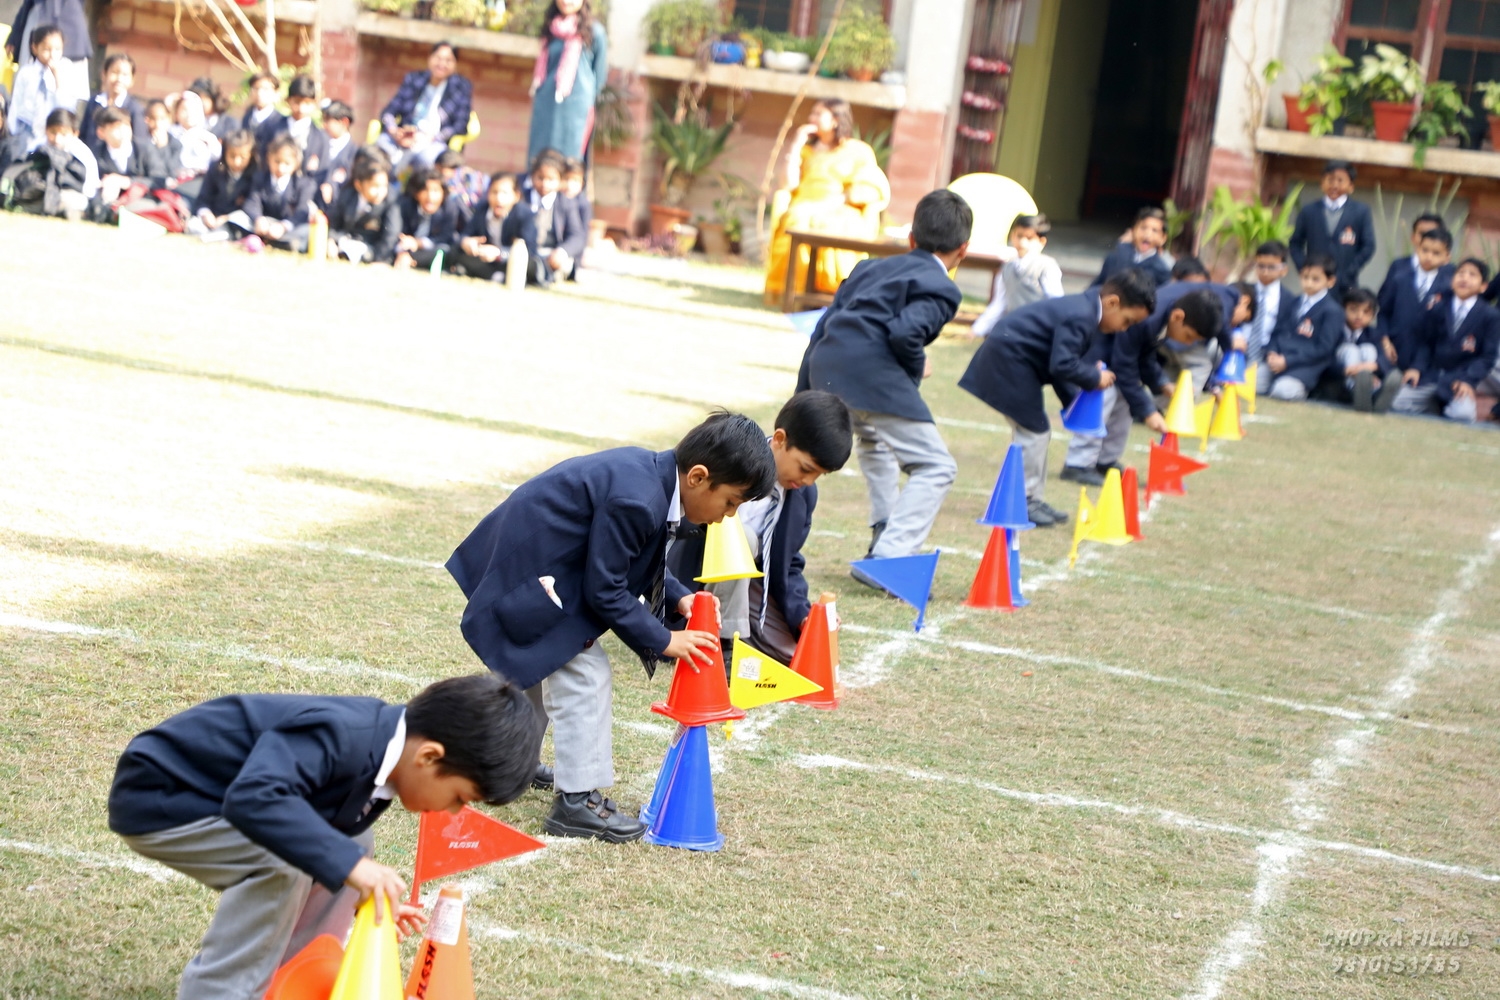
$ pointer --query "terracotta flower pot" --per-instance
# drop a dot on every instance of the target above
(861, 75)
(711, 239)
(1494, 131)
(1296, 118)
(665, 218)
(1391, 120)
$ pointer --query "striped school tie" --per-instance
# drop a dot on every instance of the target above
(767, 533)
(658, 600)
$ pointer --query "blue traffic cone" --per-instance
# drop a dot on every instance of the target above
(685, 816)
(1232, 368)
(1007, 507)
(805, 322)
(663, 777)
(1016, 600)
(906, 577)
(1085, 415)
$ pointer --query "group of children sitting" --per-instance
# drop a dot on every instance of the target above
(269, 178)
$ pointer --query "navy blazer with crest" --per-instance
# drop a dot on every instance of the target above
(146, 162)
(597, 525)
(314, 152)
(88, 131)
(1122, 258)
(377, 227)
(1401, 312)
(445, 226)
(1445, 355)
(1308, 344)
(293, 206)
(1351, 244)
(870, 347)
(221, 195)
(568, 230)
(1132, 354)
(453, 109)
(294, 773)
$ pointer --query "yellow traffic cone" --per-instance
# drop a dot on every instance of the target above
(1108, 522)
(1252, 372)
(1080, 524)
(726, 553)
(1180, 410)
(1203, 418)
(372, 962)
(1226, 424)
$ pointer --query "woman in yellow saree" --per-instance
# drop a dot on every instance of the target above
(833, 185)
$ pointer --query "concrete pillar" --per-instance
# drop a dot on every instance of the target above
(936, 36)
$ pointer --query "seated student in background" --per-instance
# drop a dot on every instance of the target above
(1148, 235)
(119, 76)
(220, 122)
(123, 160)
(1413, 285)
(1189, 269)
(1271, 297)
(365, 223)
(60, 177)
(1031, 276)
(560, 233)
(268, 799)
(261, 118)
(1456, 350)
(281, 198)
(1188, 314)
(302, 105)
(870, 348)
(1336, 225)
(1058, 343)
(1307, 334)
(1359, 368)
(431, 220)
(225, 188)
(159, 131)
(41, 86)
(200, 148)
(464, 183)
(333, 173)
(484, 250)
(812, 437)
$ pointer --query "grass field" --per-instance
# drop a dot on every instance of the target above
(1184, 771)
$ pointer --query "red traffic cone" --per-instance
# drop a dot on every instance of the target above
(814, 659)
(1130, 487)
(311, 973)
(991, 588)
(442, 969)
(700, 692)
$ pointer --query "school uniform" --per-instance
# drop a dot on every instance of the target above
(222, 194)
(312, 140)
(869, 349)
(1355, 347)
(264, 125)
(435, 232)
(140, 161)
(222, 125)
(290, 204)
(1201, 360)
(1270, 299)
(171, 154)
(1406, 295)
(565, 558)
(1307, 337)
(558, 226)
(1125, 256)
(1458, 343)
(131, 106)
(1344, 230)
(260, 797)
(1051, 342)
(334, 172)
(1020, 282)
(362, 231)
(501, 233)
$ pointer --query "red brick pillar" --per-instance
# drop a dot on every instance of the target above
(916, 165)
(340, 56)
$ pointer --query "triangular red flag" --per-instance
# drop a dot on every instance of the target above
(1164, 475)
(456, 842)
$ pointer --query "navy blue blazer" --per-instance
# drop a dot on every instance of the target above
(1122, 258)
(1046, 342)
(294, 773)
(446, 224)
(223, 125)
(134, 108)
(292, 205)
(597, 525)
(219, 194)
(1445, 355)
(453, 109)
(1351, 245)
(786, 585)
(267, 130)
(314, 153)
(1308, 344)
(335, 173)
(1133, 353)
(146, 162)
(869, 348)
(515, 226)
(568, 230)
(1401, 312)
(377, 226)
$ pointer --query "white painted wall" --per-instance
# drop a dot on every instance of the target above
(627, 33)
(936, 35)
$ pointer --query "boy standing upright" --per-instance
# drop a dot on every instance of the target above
(1143, 250)
(1336, 225)
(580, 550)
(869, 349)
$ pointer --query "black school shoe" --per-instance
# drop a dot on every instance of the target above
(1364, 392)
(591, 815)
(1389, 390)
(875, 532)
(542, 779)
(1087, 475)
(1043, 514)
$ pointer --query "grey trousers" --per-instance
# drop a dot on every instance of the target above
(1423, 399)
(1033, 456)
(578, 700)
(1199, 360)
(1284, 387)
(268, 910)
(1087, 452)
(887, 446)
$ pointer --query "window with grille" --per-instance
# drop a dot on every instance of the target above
(1462, 45)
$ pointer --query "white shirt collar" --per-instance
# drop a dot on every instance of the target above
(1139, 256)
(1461, 307)
(1332, 205)
(1308, 303)
(546, 201)
(120, 157)
(298, 127)
(336, 146)
(674, 511)
(281, 183)
(383, 789)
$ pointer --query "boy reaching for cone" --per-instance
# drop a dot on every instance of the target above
(269, 799)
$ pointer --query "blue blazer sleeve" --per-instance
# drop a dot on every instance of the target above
(1069, 362)
(1434, 325)
(795, 526)
(618, 536)
(1298, 243)
(1366, 227)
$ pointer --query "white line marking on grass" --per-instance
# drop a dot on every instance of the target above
(736, 980)
(357, 553)
(971, 425)
(648, 728)
(93, 859)
(1308, 798)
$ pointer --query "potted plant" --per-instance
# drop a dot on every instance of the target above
(1490, 93)
(862, 46)
(688, 145)
(1237, 228)
(784, 53)
(681, 26)
(1441, 117)
(1390, 81)
(401, 8)
(1320, 102)
(614, 125)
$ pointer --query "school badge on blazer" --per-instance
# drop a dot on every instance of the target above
(1305, 328)
(1434, 299)
(1467, 346)
(1347, 237)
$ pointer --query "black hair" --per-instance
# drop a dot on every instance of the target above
(1343, 165)
(1362, 297)
(586, 19)
(418, 179)
(1474, 262)
(733, 449)
(1273, 248)
(1323, 262)
(1202, 312)
(1442, 223)
(302, 86)
(110, 116)
(205, 86)
(818, 423)
(259, 75)
(61, 118)
(843, 117)
(367, 166)
(239, 139)
(339, 110)
(548, 158)
(1037, 223)
(1245, 290)
(281, 144)
(1189, 267)
(1135, 288)
(115, 58)
(444, 44)
(942, 222)
(1150, 212)
(572, 166)
(502, 175)
(42, 33)
(450, 159)
(1440, 234)
(488, 730)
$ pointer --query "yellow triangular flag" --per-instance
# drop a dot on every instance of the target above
(756, 679)
(1080, 524)
(726, 553)
(372, 963)
(1180, 410)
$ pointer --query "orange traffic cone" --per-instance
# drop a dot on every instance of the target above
(441, 970)
(991, 587)
(813, 659)
(833, 628)
(700, 691)
(1130, 489)
(309, 974)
